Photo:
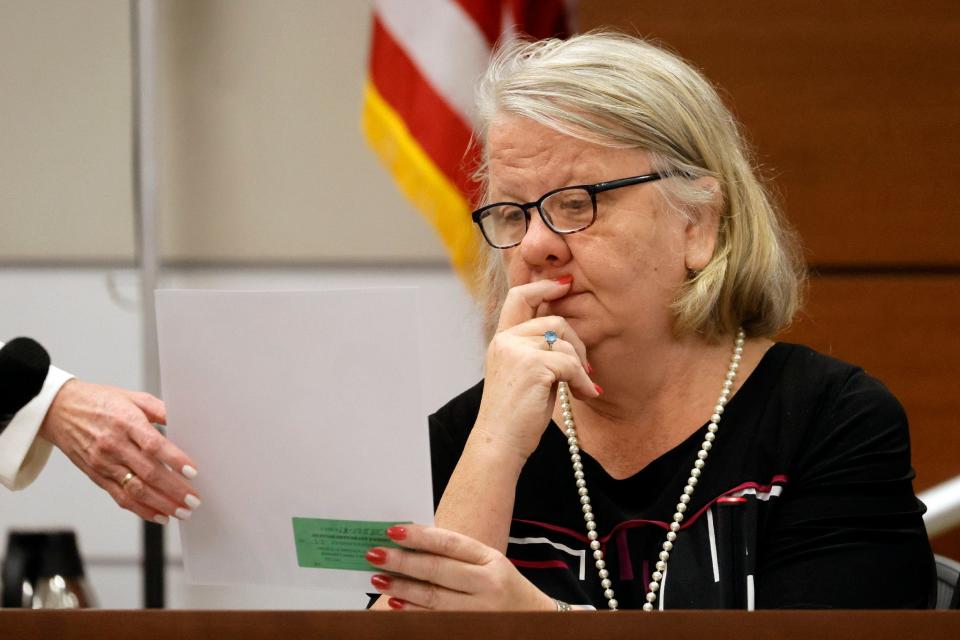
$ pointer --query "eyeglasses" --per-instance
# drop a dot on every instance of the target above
(565, 210)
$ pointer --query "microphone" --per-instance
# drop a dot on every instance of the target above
(23, 368)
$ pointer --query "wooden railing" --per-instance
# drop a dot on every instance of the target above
(278, 625)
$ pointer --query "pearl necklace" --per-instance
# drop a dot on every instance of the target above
(563, 394)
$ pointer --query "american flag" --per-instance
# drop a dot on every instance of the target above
(418, 111)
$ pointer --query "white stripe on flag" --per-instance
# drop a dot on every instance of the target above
(443, 41)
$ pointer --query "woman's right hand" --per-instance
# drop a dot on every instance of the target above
(521, 376)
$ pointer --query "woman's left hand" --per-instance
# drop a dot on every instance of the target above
(106, 432)
(439, 569)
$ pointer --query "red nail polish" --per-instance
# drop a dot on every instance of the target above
(564, 279)
(396, 603)
(381, 582)
(589, 368)
(397, 532)
(598, 388)
(376, 556)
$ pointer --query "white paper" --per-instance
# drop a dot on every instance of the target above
(293, 404)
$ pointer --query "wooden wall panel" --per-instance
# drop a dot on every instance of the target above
(853, 107)
(854, 112)
(902, 330)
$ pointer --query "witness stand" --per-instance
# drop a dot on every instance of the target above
(362, 625)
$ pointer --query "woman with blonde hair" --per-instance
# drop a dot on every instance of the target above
(639, 441)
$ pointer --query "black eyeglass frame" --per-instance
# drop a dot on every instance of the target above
(592, 189)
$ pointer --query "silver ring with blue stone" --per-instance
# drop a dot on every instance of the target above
(550, 337)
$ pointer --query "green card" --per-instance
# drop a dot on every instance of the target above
(339, 544)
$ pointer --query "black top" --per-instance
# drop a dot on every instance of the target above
(806, 501)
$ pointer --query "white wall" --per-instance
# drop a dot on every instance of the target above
(260, 153)
(261, 163)
(88, 319)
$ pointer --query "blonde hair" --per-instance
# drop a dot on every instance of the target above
(622, 92)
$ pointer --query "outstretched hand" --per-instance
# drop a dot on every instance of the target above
(107, 433)
(439, 569)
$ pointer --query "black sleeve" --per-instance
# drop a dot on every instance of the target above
(850, 504)
(449, 429)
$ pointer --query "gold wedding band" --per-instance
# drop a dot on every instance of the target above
(127, 478)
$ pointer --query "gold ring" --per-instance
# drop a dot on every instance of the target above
(127, 478)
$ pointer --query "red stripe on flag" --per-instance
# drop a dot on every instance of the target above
(542, 19)
(487, 15)
(440, 131)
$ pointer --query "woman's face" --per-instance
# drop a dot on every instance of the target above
(626, 267)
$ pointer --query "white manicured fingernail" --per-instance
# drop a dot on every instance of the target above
(183, 514)
(192, 501)
(188, 471)
(159, 519)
